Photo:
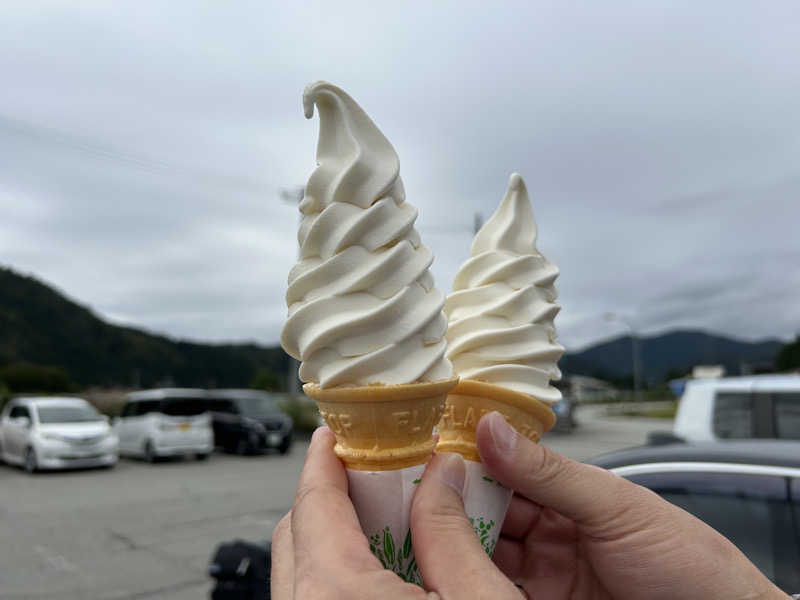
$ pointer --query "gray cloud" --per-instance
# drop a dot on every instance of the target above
(143, 148)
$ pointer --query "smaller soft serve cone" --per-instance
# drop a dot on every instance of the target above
(501, 340)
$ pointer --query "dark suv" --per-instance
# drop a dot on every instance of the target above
(248, 421)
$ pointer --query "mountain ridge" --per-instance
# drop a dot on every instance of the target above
(41, 325)
(671, 353)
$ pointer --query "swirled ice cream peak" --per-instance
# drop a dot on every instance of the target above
(502, 307)
(363, 308)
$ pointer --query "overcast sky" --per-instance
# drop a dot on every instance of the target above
(143, 147)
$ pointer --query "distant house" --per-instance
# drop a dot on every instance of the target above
(585, 390)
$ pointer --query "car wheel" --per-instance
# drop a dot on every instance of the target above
(286, 445)
(201, 456)
(31, 464)
(150, 452)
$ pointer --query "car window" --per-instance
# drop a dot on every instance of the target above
(222, 406)
(183, 407)
(786, 408)
(753, 511)
(68, 413)
(259, 406)
(19, 411)
(145, 407)
(733, 415)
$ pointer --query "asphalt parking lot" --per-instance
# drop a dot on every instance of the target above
(144, 531)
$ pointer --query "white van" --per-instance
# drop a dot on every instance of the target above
(165, 422)
(760, 406)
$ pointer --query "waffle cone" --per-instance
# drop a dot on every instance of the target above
(382, 427)
(470, 400)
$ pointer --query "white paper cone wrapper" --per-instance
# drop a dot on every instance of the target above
(486, 503)
(382, 500)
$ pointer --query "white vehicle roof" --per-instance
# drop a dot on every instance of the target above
(241, 393)
(163, 393)
(749, 383)
(50, 400)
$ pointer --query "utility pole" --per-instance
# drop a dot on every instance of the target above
(293, 196)
(477, 222)
(635, 356)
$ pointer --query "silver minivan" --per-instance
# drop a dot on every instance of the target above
(165, 422)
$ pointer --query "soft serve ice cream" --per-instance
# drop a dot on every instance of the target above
(363, 308)
(502, 307)
(366, 321)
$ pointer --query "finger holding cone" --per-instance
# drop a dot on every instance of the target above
(469, 400)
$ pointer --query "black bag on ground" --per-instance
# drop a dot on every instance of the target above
(241, 570)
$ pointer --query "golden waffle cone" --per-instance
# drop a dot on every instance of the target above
(470, 400)
(382, 427)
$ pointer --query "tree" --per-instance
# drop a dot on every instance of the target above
(266, 380)
(789, 356)
(29, 377)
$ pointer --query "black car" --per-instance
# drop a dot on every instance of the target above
(747, 490)
(248, 421)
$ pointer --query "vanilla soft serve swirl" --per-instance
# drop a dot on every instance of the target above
(363, 308)
(502, 307)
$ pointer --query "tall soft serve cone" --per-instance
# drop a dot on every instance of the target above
(366, 322)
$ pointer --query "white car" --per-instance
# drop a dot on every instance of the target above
(759, 406)
(165, 422)
(56, 433)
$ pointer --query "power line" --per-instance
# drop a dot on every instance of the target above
(48, 136)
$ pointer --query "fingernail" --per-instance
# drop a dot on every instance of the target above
(503, 435)
(319, 431)
(451, 471)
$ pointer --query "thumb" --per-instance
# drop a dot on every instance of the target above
(586, 494)
(450, 558)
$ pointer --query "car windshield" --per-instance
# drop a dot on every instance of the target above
(68, 414)
(260, 406)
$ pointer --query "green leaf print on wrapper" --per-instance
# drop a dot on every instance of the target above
(483, 530)
(395, 558)
(490, 480)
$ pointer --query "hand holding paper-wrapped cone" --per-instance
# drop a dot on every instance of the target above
(573, 531)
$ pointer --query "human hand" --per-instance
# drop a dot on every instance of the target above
(575, 531)
(319, 551)
(608, 539)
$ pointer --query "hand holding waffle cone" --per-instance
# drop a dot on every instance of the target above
(366, 321)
